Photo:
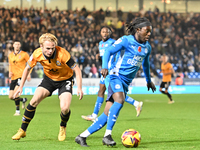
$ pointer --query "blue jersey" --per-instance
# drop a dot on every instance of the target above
(103, 46)
(130, 56)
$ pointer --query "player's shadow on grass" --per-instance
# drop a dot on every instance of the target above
(140, 119)
(174, 141)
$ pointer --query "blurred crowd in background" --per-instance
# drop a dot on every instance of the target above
(174, 34)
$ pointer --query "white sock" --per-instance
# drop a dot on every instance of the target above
(86, 133)
(18, 111)
(94, 115)
(107, 132)
(136, 103)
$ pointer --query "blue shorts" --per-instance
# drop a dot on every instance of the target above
(114, 85)
(102, 80)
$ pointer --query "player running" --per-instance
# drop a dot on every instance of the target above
(134, 51)
(167, 70)
(17, 62)
(106, 42)
(58, 69)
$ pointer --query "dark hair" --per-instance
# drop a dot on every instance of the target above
(107, 28)
(132, 26)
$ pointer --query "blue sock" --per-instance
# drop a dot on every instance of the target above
(113, 114)
(98, 104)
(99, 123)
(129, 100)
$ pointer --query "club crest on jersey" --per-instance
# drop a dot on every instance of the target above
(117, 86)
(58, 63)
(139, 49)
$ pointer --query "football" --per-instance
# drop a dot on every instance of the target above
(131, 138)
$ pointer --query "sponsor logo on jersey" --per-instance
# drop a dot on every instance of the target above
(106, 45)
(135, 61)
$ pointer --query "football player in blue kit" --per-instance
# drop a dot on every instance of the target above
(104, 44)
(134, 50)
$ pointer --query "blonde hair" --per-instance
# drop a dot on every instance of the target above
(48, 37)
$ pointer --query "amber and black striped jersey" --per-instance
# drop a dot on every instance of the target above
(17, 63)
(58, 68)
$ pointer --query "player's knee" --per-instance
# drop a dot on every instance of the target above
(11, 97)
(64, 110)
(101, 93)
(121, 101)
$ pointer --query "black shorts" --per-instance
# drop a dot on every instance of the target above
(15, 83)
(165, 85)
(62, 86)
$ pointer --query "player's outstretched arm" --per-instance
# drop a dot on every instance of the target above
(24, 77)
(79, 82)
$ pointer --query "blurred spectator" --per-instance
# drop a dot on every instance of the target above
(93, 72)
(176, 34)
(86, 71)
(1, 55)
(179, 80)
(119, 14)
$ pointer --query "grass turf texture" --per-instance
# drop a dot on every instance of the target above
(162, 126)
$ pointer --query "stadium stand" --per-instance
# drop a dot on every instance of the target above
(176, 34)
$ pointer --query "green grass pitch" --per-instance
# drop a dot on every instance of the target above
(162, 126)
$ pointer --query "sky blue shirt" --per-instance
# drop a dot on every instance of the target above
(103, 46)
(130, 56)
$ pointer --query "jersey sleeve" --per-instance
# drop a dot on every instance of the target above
(116, 47)
(26, 56)
(70, 62)
(32, 60)
(146, 66)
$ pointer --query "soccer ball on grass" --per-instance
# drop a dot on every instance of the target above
(131, 138)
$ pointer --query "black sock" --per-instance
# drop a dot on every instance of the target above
(169, 95)
(21, 99)
(28, 116)
(17, 101)
(64, 118)
(163, 92)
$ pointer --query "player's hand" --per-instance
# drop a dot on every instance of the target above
(151, 86)
(10, 74)
(104, 72)
(18, 92)
(80, 93)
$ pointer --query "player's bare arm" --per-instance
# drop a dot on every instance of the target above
(79, 82)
